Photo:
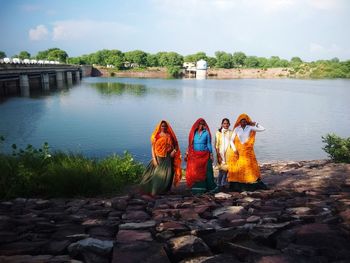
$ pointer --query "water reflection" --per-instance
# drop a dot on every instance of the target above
(118, 89)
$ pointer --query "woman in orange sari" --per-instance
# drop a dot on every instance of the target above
(243, 169)
(199, 157)
(165, 167)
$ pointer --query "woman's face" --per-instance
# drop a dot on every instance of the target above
(243, 122)
(164, 127)
(201, 125)
(225, 124)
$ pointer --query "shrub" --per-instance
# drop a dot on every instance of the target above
(337, 148)
(35, 172)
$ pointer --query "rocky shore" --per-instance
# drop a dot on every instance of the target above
(303, 217)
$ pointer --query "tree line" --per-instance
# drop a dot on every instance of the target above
(333, 68)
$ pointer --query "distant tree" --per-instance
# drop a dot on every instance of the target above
(137, 56)
(251, 62)
(115, 58)
(296, 60)
(263, 62)
(211, 61)
(223, 59)
(2, 54)
(238, 59)
(166, 59)
(24, 55)
(152, 60)
(335, 60)
(196, 57)
(53, 54)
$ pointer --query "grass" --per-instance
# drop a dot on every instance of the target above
(38, 173)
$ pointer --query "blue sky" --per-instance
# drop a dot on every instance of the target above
(310, 29)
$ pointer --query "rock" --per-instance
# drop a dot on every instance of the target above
(245, 251)
(176, 227)
(135, 252)
(222, 195)
(136, 216)
(187, 246)
(253, 219)
(129, 236)
(233, 210)
(213, 259)
(165, 235)
(137, 226)
(92, 250)
(299, 210)
(119, 204)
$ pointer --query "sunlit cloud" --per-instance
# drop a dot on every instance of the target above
(38, 33)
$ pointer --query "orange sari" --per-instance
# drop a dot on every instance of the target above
(242, 165)
(162, 144)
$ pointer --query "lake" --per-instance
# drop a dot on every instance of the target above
(102, 116)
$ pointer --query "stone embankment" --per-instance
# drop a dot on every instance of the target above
(303, 217)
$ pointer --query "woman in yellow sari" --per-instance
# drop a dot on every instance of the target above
(243, 169)
(165, 167)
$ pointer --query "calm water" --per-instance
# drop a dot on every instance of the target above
(102, 116)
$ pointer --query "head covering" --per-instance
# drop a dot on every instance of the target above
(193, 130)
(177, 157)
(241, 117)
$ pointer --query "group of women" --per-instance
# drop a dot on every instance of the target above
(238, 167)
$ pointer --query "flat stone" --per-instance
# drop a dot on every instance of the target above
(174, 226)
(92, 250)
(137, 252)
(299, 210)
(253, 219)
(187, 246)
(135, 226)
(129, 236)
(222, 195)
(236, 210)
(136, 216)
(213, 259)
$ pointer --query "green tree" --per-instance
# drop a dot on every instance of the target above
(2, 54)
(137, 56)
(167, 59)
(238, 59)
(115, 58)
(53, 54)
(152, 60)
(337, 148)
(195, 57)
(251, 62)
(24, 55)
(296, 60)
(223, 59)
(211, 61)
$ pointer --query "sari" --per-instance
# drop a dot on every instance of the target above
(159, 179)
(199, 170)
(243, 169)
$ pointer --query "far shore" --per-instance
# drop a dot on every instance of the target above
(236, 73)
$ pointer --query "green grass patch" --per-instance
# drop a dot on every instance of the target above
(38, 173)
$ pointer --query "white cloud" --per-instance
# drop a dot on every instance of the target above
(38, 33)
(88, 29)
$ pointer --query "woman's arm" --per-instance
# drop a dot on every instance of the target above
(232, 140)
(255, 126)
(154, 158)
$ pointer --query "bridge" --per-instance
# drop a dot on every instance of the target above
(22, 79)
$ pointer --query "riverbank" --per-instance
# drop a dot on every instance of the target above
(304, 217)
(269, 73)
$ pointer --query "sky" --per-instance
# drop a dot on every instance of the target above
(309, 29)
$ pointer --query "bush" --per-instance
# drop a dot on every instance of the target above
(337, 148)
(174, 71)
(35, 172)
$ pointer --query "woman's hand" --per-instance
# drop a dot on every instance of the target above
(172, 154)
(219, 159)
(154, 160)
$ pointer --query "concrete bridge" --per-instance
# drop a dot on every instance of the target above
(22, 79)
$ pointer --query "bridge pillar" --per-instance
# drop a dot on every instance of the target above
(77, 76)
(59, 79)
(69, 78)
(45, 81)
(24, 85)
